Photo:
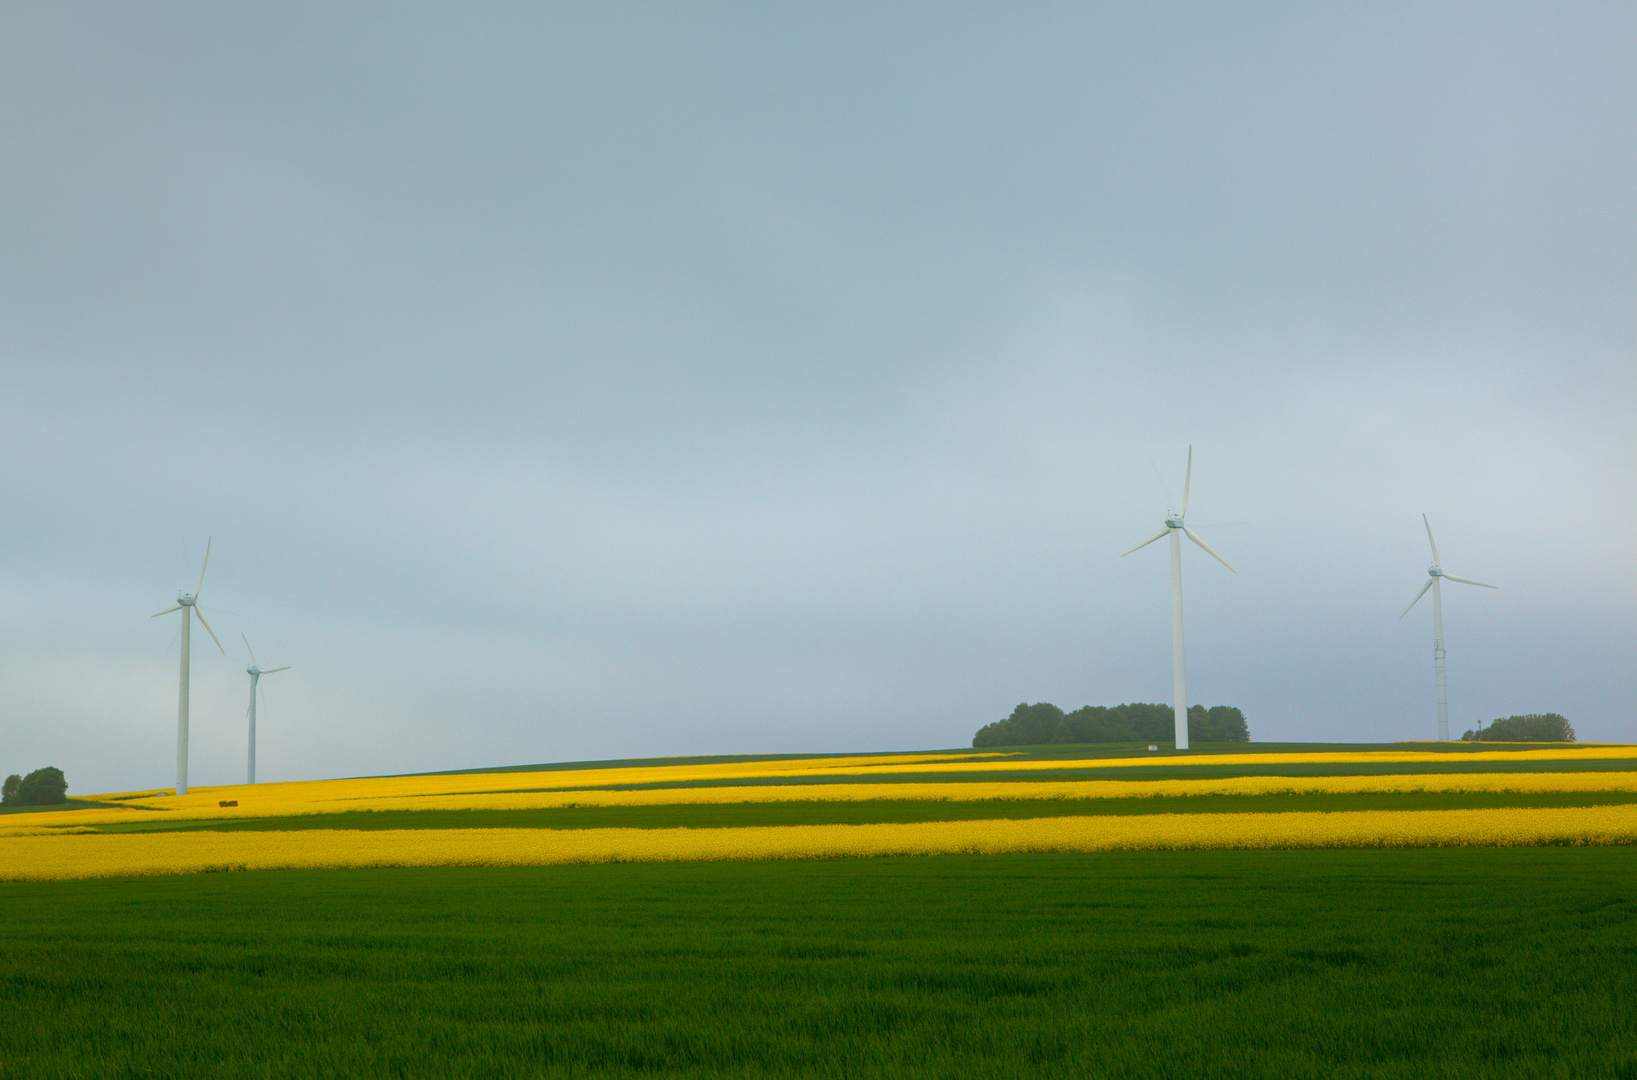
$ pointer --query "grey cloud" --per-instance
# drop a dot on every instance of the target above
(588, 381)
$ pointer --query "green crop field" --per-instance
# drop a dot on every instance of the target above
(1372, 961)
(1460, 962)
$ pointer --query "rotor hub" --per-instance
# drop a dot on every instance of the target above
(1173, 522)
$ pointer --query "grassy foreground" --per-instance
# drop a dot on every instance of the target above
(1453, 962)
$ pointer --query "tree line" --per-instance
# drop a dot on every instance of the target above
(42, 787)
(1043, 722)
(1531, 727)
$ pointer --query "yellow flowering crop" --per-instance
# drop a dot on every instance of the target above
(332, 796)
(80, 856)
(930, 765)
(1012, 790)
(439, 783)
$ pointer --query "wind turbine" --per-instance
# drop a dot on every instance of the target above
(186, 603)
(1175, 528)
(1434, 572)
(255, 675)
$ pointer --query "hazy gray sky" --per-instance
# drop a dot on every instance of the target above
(568, 382)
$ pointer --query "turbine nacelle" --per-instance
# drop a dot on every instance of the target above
(188, 605)
(1434, 572)
(1174, 518)
(255, 669)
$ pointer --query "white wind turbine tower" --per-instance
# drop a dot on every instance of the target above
(186, 603)
(1434, 572)
(255, 676)
(1175, 528)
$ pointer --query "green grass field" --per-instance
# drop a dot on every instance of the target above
(1420, 963)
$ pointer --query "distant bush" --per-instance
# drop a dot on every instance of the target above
(42, 787)
(1534, 727)
(1043, 722)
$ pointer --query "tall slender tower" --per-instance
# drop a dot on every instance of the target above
(188, 605)
(255, 676)
(1435, 575)
(1177, 529)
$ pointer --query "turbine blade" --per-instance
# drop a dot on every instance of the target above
(1418, 596)
(1163, 485)
(167, 611)
(1192, 535)
(1187, 482)
(1465, 581)
(1150, 540)
(270, 671)
(208, 630)
(1430, 540)
(201, 584)
(251, 651)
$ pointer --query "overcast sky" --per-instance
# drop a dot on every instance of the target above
(563, 382)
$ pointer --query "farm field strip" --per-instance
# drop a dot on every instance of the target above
(929, 765)
(273, 800)
(1434, 963)
(840, 807)
(81, 855)
(425, 783)
(857, 812)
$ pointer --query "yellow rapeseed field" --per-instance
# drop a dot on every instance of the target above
(81, 856)
(978, 791)
(455, 793)
(929, 765)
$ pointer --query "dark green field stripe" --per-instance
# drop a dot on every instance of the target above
(57, 808)
(738, 815)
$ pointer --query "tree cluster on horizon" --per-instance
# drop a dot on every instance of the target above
(42, 787)
(1043, 722)
(1531, 727)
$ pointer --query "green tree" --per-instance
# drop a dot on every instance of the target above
(1220, 723)
(42, 787)
(8, 794)
(1043, 722)
(1029, 725)
(1096, 724)
(1152, 723)
(1531, 727)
